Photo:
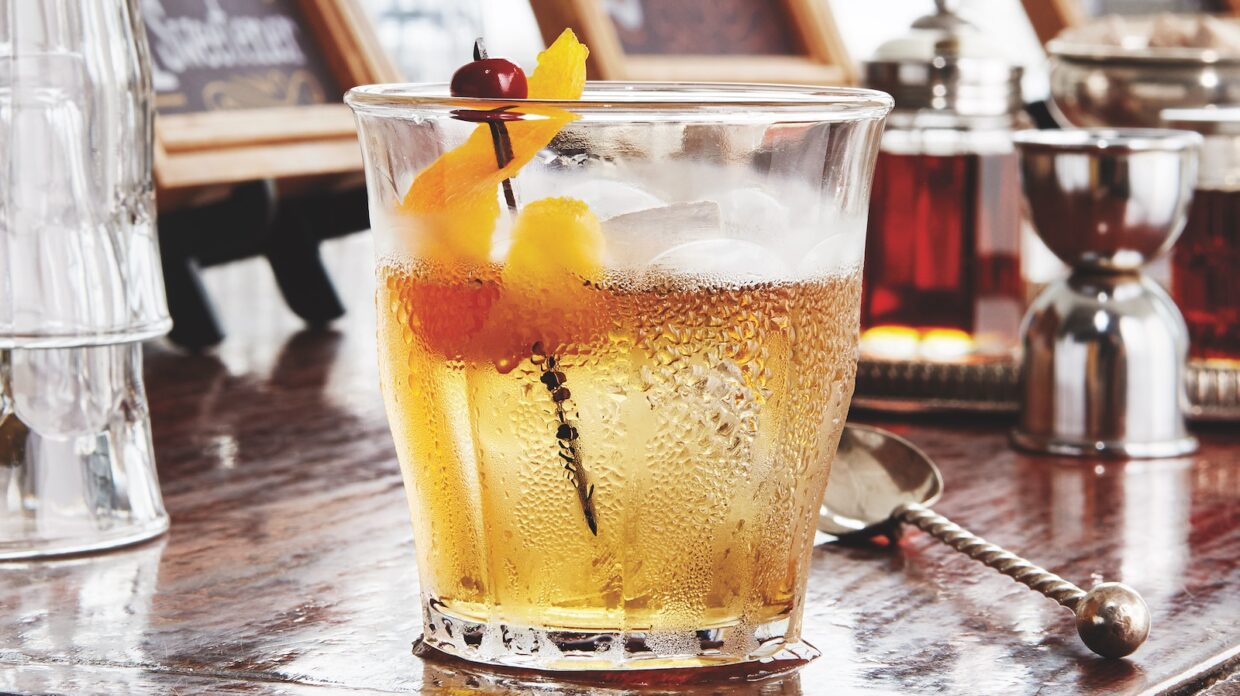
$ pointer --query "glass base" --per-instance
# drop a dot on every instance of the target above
(1039, 443)
(527, 647)
(83, 540)
(77, 472)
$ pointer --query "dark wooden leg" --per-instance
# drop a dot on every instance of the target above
(254, 221)
(196, 238)
(298, 266)
(194, 323)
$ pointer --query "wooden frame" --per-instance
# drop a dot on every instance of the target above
(826, 60)
(1049, 17)
(227, 147)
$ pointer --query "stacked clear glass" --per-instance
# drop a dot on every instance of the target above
(80, 280)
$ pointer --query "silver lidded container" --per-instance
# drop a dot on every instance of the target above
(943, 249)
(1109, 76)
(944, 72)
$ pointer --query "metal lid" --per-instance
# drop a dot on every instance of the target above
(945, 64)
(1220, 158)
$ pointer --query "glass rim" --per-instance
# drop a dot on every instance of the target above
(607, 96)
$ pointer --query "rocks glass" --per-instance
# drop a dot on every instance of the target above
(617, 417)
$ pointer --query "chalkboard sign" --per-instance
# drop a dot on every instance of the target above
(209, 55)
(709, 40)
(704, 27)
(251, 89)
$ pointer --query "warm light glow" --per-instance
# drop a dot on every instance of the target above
(891, 342)
(945, 344)
(1219, 363)
(907, 343)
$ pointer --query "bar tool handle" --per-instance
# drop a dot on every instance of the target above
(979, 549)
(1112, 619)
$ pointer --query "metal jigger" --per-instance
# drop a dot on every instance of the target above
(1105, 348)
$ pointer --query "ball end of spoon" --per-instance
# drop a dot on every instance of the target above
(1113, 620)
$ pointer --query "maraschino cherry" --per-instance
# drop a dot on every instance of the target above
(489, 78)
(492, 78)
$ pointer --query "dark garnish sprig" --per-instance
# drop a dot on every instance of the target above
(566, 433)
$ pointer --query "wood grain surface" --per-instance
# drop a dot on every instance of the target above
(289, 568)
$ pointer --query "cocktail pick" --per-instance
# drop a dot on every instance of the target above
(502, 79)
(499, 137)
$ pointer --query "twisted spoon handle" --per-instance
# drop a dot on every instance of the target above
(979, 549)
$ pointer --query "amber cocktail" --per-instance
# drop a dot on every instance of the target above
(616, 401)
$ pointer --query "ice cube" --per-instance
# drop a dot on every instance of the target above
(733, 260)
(501, 239)
(609, 198)
(635, 238)
(842, 251)
(751, 211)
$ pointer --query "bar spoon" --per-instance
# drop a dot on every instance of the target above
(879, 480)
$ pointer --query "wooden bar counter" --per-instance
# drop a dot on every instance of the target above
(289, 568)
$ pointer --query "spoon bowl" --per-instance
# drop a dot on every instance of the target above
(874, 472)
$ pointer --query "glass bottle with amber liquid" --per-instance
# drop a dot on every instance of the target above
(1204, 262)
(943, 256)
